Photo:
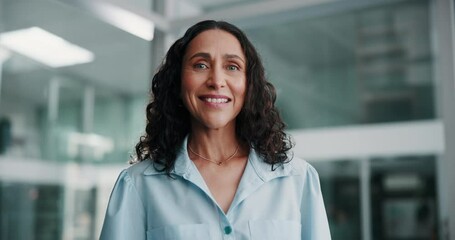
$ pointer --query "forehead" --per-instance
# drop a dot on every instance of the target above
(213, 41)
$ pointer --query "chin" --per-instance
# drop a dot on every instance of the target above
(214, 122)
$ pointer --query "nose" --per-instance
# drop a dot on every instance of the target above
(216, 78)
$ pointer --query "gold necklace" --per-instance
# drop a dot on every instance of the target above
(219, 163)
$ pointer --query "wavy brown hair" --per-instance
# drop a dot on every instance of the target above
(168, 122)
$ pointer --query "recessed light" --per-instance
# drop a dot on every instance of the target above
(45, 47)
(124, 19)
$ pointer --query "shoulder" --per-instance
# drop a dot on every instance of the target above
(295, 166)
(308, 175)
(138, 170)
(299, 166)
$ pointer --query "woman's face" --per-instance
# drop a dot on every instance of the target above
(214, 79)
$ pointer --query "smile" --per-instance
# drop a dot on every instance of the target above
(212, 99)
(216, 100)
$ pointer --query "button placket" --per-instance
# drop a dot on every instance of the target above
(226, 228)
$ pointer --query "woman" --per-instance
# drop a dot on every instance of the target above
(214, 162)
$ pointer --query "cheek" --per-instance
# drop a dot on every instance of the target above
(187, 86)
(190, 82)
(240, 89)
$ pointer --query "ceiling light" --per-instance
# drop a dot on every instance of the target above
(45, 47)
(123, 19)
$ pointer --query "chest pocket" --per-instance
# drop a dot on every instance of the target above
(274, 230)
(180, 232)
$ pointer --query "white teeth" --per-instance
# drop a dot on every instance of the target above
(216, 100)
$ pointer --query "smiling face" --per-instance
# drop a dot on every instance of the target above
(214, 79)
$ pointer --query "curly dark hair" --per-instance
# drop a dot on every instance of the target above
(168, 122)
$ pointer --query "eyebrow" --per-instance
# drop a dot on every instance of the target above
(229, 56)
(207, 56)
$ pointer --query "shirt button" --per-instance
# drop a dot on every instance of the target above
(227, 230)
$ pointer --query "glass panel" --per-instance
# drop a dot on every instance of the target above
(45, 124)
(24, 95)
(30, 211)
(42, 107)
(84, 214)
(116, 144)
(68, 121)
(365, 66)
(340, 186)
(403, 198)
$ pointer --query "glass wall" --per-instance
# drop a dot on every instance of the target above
(403, 198)
(372, 65)
(60, 124)
(402, 195)
(67, 131)
(340, 184)
(365, 66)
(30, 211)
(72, 113)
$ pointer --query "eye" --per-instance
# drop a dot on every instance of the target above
(200, 66)
(232, 68)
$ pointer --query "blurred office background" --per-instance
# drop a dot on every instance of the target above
(366, 88)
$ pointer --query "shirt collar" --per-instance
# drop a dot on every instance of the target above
(264, 170)
(184, 166)
(182, 163)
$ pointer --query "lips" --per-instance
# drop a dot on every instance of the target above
(215, 98)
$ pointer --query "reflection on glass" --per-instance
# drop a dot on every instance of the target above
(112, 111)
(403, 198)
(30, 211)
(84, 214)
(352, 67)
(365, 66)
(60, 126)
(340, 186)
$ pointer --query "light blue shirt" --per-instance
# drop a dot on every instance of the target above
(283, 204)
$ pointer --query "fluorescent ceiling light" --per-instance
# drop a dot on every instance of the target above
(45, 47)
(123, 19)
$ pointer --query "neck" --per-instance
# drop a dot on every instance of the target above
(217, 145)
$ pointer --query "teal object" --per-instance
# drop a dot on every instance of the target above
(227, 230)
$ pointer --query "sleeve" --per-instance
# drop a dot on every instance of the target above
(314, 218)
(125, 215)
